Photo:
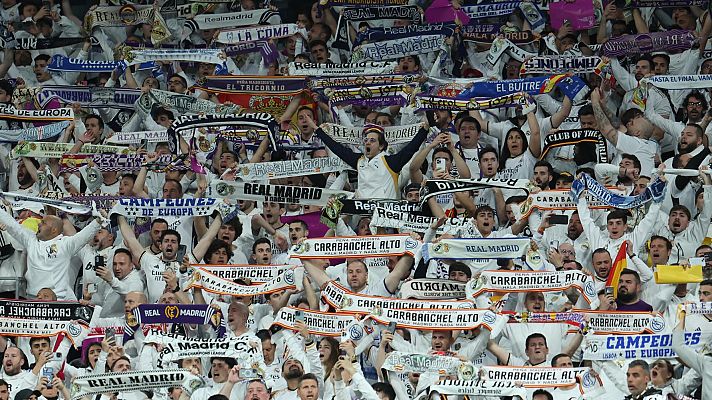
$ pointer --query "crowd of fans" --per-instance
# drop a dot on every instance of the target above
(608, 183)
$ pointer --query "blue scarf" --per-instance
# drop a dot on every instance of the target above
(655, 192)
(62, 63)
(571, 86)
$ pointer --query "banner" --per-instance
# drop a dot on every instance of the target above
(439, 320)
(478, 388)
(200, 314)
(547, 200)
(557, 64)
(398, 48)
(263, 32)
(54, 114)
(250, 84)
(537, 377)
(127, 15)
(533, 281)
(176, 347)
(47, 310)
(284, 169)
(347, 81)
(371, 95)
(57, 150)
(353, 135)
(571, 86)
(127, 381)
(33, 43)
(43, 132)
(224, 20)
(655, 190)
(255, 273)
(484, 33)
(344, 300)
(435, 187)
(115, 162)
(573, 137)
(404, 221)
(65, 64)
(273, 193)
(319, 323)
(672, 41)
(371, 13)
(182, 103)
(214, 284)
(698, 308)
(378, 34)
(405, 363)
(66, 206)
(679, 82)
(89, 96)
(432, 289)
(351, 69)
(194, 122)
(623, 323)
(137, 137)
(152, 208)
(427, 102)
(631, 347)
(25, 327)
(355, 246)
(476, 248)
(367, 207)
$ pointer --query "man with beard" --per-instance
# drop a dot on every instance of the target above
(101, 245)
(684, 233)
(692, 153)
(694, 106)
(377, 172)
(630, 82)
(17, 378)
(629, 290)
(571, 234)
(113, 287)
(293, 372)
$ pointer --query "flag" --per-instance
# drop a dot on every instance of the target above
(619, 264)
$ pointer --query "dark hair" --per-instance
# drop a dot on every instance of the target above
(706, 282)
(218, 397)
(133, 177)
(680, 207)
(96, 117)
(180, 187)
(538, 392)
(125, 358)
(386, 389)
(307, 377)
(170, 232)
(484, 208)
(641, 364)
(442, 150)
(556, 358)
(505, 150)
(543, 163)
(668, 243)
(333, 355)
(42, 57)
(415, 58)
(585, 110)
(317, 42)
(158, 221)
(4, 383)
(488, 149)
(183, 81)
(459, 266)
(261, 241)
(631, 157)
(618, 214)
(663, 55)
(629, 115)
(515, 199)
(533, 336)
(36, 339)
(699, 96)
(231, 362)
(264, 334)
(300, 222)
(122, 250)
(7, 86)
(698, 129)
(627, 271)
(387, 115)
(600, 250)
(647, 58)
(470, 119)
(216, 245)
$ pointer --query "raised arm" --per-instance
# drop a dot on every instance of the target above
(351, 158)
(604, 125)
(564, 111)
(535, 134)
(130, 238)
(400, 272)
(316, 272)
(397, 161)
(202, 247)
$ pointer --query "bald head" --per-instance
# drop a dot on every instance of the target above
(49, 228)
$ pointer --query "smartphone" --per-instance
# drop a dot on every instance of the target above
(47, 5)
(609, 291)
(92, 288)
(249, 373)
(48, 373)
(554, 244)
(342, 352)
(708, 256)
(392, 327)
(180, 253)
(558, 219)
(274, 329)
(110, 335)
(298, 317)
(441, 164)
(99, 261)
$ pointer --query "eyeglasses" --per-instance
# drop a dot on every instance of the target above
(695, 104)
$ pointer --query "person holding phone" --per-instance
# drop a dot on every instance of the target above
(113, 287)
